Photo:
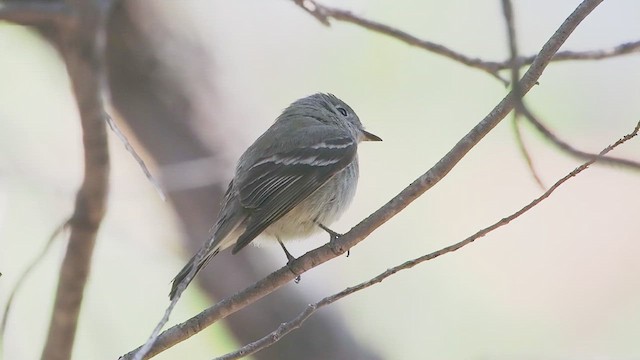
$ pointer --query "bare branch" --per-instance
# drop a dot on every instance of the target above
(35, 12)
(314, 10)
(524, 110)
(525, 152)
(329, 251)
(80, 46)
(127, 145)
(296, 322)
(622, 49)
(324, 14)
(566, 147)
(507, 11)
(143, 350)
(23, 277)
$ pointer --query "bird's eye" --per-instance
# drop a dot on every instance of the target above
(342, 111)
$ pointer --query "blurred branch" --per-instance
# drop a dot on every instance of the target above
(80, 46)
(35, 12)
(23, 276)
(515, 75)
(325, 13)
(524, 151)
(296, 323)
(566, 147)
(521, 108)
(329, 251)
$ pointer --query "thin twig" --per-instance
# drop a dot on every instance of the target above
(327, 252)
(569, 149)
(524, 151)
(23, 276)
(507, 12)
(296, 322)
(325, 13)
(524, 110)
(142, 351)
(618, 50)
(123, 139)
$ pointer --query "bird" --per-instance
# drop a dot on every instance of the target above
(296, 179)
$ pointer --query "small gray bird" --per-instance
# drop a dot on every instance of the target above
(297, 178)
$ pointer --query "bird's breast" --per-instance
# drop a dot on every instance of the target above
(325, 205)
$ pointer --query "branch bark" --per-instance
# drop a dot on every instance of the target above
(569, 149)
(287, 327)
(521, 108)
(327, 252)
(80, 48)
(325, 13)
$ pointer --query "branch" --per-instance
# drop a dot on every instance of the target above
(36, 13)
(525, 152)
(329, 251)
(622, 49)
(325, 13)
(521, 108)
(515, 75)
(132, 151)
(25, 274)
(524, 110)
(296, 322)
(80, 47)
(566, 147)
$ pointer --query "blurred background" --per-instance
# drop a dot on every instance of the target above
(561, 282)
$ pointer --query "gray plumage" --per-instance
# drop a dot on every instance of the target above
(301, 172)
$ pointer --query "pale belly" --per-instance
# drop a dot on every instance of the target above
(321, 206)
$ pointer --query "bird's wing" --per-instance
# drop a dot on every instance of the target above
(277, 183)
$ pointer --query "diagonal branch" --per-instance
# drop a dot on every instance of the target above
(127, 145)
(524, 110)
(296, 322)
(327, 252)
(569, 149)
(25, 274)
(525, 152)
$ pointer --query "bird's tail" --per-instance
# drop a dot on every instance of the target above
(182, 275)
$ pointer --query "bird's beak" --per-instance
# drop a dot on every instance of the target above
(367, 136)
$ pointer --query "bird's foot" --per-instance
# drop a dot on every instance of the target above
(290, 260)
(334, 236)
